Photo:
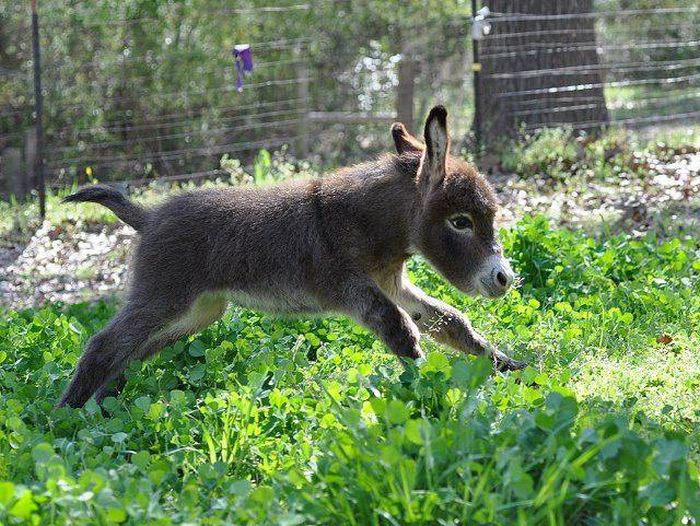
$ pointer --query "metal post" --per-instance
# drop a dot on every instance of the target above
(302, 130)
(39, 111)
(406, 88)
(29, 160)
(476, 69)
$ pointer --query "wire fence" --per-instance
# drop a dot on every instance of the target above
(146, 95)
(590, 68)
(130, 111)
(125, 110)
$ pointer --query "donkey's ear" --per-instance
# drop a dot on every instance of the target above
(437, 143)
(404, 141)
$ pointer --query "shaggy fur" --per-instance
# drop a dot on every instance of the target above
(332, 244)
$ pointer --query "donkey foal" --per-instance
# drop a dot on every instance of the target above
(336, 243)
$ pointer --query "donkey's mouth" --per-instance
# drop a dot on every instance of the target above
(489, 291)
(469, 288)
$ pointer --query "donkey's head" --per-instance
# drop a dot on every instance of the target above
(454, 226)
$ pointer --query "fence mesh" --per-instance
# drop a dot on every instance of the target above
(588, 66)
(144, 90)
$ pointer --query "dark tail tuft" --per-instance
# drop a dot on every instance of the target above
(128, 211)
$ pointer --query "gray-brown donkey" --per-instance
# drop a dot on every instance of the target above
(336, 243)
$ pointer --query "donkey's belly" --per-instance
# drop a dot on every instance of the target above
(277, 302)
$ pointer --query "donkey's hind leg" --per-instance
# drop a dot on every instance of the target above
(108, 352)
(111, 388)
(206, 309)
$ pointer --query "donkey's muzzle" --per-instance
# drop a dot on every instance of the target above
(497, 277)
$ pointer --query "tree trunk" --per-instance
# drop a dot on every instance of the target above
(540, 72)
(406, 88)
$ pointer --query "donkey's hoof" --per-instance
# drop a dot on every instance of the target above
(504, 363)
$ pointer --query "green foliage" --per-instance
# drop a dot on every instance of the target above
(149, 79)
(260, 420)
(561, 154)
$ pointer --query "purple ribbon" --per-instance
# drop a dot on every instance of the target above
(244, 63)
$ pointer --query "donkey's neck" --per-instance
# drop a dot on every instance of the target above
(369, 209)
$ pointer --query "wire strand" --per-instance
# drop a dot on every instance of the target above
(170, 155)
(596, 85)
(629, 121)
(182, 135)
(205, 91)
(166, 121)
(600, 48)
(134, 21)
(119, 158)
(523, 17)
(140, 59)
(630, 67)
(575, 31)
(658, 101)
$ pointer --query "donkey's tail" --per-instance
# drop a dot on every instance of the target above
(128, 211)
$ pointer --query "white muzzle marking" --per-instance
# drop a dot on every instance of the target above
(496, 277)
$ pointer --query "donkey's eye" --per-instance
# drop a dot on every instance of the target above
(461, 222)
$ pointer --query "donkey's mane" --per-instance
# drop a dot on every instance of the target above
(407, 163)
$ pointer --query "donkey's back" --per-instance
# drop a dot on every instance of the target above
(245, 240)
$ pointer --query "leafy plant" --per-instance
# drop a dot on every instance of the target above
(260, 420)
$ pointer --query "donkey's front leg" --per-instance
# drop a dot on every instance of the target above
(362, 299)
(447, 325)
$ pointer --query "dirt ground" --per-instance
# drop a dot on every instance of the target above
(82, 261)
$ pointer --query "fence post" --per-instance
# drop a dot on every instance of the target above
(30, 159)
(476, 77)
(12, 168)
(302, 143)
(406, 87)
(39, 111)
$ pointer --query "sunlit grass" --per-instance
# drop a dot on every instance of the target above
(262, 420)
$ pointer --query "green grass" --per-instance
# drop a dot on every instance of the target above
(561, 154)
(260, 420)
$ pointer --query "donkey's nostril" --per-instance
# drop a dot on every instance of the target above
(502, 279)
(498, 278)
